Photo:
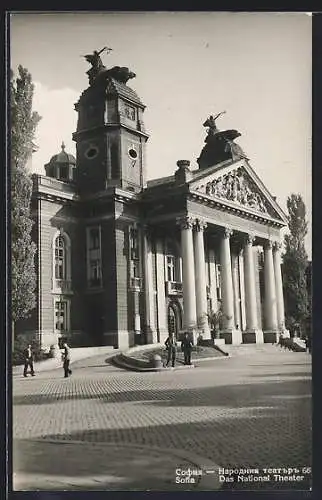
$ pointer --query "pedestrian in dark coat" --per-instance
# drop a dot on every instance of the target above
(186, 347)
(66, 360)
(171, 344)
(29, 361)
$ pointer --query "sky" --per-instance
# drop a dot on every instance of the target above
(254, 66)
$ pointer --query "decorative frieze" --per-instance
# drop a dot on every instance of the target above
(237, 187)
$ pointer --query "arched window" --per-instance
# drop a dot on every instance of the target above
(60, 258)
(61, 262)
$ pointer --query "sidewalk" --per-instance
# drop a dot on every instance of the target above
(59, 465)
(77, 354)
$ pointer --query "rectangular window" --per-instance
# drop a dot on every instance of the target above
(59, 269)
(61, 315)
(171, 268)
(63, 172)
(94, 238)
(94, 264)
(218, 280)
(134, 252)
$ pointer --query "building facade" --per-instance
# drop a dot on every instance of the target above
(122, 261)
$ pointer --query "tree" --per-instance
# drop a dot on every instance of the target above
(295, 262)
(215, 319)
(23, 126)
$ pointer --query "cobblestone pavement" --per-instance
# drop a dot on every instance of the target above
(105, 428)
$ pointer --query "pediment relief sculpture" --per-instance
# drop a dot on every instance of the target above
(235, 186)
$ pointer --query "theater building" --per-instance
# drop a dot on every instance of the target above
(122, 261)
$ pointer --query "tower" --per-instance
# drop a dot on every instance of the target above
(110, 136)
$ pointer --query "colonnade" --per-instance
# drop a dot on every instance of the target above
(194, 283)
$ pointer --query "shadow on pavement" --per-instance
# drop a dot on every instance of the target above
(205, 396)
(271, 428)
(247, 441)
(81, 466)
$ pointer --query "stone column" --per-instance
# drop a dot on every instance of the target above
(213, 280)
(151, 334)
(200, 277)
(235, 275)
(242, 289)
(227, 286)
(161, 300)
(270, 294)
(252, 334)
(188, 274)
(278, 286)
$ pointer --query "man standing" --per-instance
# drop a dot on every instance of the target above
(171, 347)
(186, 346)
(29, 361)
(66, 360)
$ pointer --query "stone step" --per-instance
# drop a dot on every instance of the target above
(248, 348)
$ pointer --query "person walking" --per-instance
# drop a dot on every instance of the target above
(186, 347)
(171, 345)
(66, 360)
(29, 361)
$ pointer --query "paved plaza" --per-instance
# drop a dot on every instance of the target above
(109, 429)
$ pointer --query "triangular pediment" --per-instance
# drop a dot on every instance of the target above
(236, 183)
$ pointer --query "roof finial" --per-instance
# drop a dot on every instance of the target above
(63, 146)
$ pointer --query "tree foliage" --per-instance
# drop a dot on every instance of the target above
(295, 262)
(23, 126)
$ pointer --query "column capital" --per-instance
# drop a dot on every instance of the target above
(227, 233)
(200, 225)
(185, 222)
(268, 245)
(277, 246)
(249, 238)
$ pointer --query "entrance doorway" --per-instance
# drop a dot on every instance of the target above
(174, 319)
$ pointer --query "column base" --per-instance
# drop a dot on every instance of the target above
(151, 336)
(253, 337)
(204, 331)
(163, 334)
(121, 339)
(271, 336)
(233, 337)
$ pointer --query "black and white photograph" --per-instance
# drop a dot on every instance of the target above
(161, 261)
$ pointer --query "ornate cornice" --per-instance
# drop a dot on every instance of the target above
(230, 207)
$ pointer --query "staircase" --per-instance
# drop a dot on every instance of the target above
(246, 349)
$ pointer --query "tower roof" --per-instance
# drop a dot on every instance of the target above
(63, 157)
(123, 90)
